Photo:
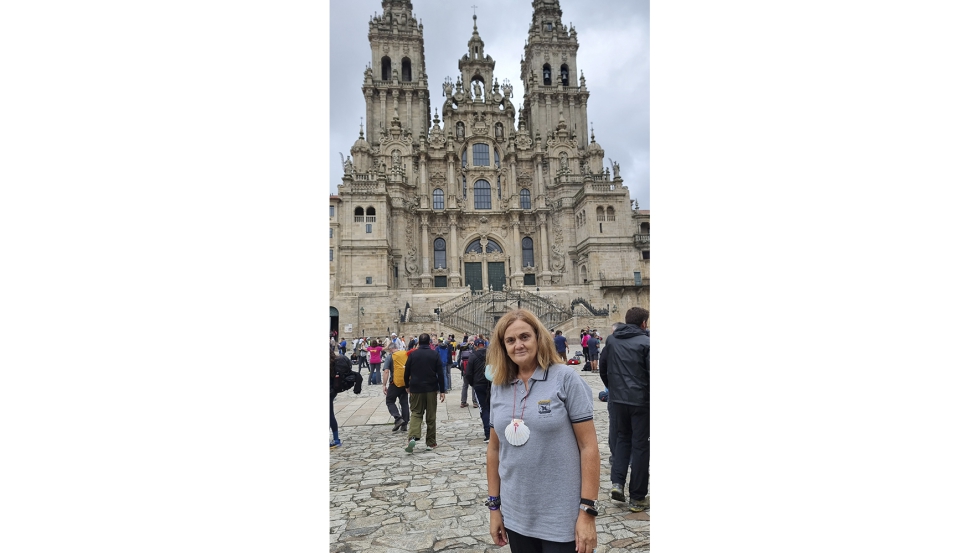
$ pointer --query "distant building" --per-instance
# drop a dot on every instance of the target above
(433, 212)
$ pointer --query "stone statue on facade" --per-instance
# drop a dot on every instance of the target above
(615, 170)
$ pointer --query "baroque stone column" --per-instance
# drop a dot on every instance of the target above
(543, 252)
(426, 276)
(517, 275)
(453, 254)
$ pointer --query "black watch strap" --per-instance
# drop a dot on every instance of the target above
(589, 502)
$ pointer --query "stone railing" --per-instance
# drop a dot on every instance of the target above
(623, 283)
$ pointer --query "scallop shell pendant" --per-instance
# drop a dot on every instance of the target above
(517, 432)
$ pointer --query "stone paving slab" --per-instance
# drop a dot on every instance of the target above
(383, 499)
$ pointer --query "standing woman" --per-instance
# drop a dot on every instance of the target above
(374, 376)
(543, 455)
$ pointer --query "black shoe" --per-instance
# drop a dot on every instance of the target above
(398, 423)
(405, 427)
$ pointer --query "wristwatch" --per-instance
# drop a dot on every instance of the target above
(589, 506)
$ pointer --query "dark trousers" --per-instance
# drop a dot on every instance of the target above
(523, 544)
(333, 420)
(633, 439)
(396, 393)
(483, 394)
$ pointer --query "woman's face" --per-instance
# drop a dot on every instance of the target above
(521, 344)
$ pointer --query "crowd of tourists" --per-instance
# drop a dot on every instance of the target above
(536, 413)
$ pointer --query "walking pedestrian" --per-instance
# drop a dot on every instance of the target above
(543, 476)
(626, 371)
(424, 380)
(476, 377)
(393, 386)
(464, 362)
(561, 345)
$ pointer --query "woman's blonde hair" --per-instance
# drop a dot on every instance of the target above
(503, 368)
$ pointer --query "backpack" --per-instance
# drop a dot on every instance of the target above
(344, 377)
(398, 360)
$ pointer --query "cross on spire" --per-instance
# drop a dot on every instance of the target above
(474, 9)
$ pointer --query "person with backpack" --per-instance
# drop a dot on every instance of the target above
(464, 359)
(476, 377)
(342, 378)
(394, 387)
(445, 356)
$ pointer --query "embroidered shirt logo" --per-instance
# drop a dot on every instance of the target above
(544, 407)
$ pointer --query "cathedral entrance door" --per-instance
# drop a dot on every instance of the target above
(474, 276)
(495, 274)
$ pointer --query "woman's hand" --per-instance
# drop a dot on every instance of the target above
(585, 535)
(499, 534)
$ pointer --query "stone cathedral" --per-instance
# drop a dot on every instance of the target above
(457, 207)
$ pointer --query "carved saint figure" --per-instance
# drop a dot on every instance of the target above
(563, 160)
(615, 170)
(396, 158)
(348, 166)
(459, 130)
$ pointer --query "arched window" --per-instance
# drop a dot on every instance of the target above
(474, 247)
(386, 68)
(582, 275)
(610, 214)
(481, 194)
(406, 70)
(564, 75)
(439, 248)
(527, 252)
(600, 214)
(525, 198)
(547, 75)
(437, 199)
(358, 214)
(481, 155)
(370, 215)
(493, 247)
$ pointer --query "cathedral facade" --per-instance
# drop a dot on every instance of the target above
(445, 221)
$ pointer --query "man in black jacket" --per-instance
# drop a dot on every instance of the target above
(481, 386)
(624, 368)
(424, 378)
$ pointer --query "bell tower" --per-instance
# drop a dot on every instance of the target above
(552, 88)
(395, 84)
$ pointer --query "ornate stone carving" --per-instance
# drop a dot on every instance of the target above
(410, 264)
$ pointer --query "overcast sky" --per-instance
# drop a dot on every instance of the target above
(614, 53)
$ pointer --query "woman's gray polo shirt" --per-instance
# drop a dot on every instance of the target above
(541, 481)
